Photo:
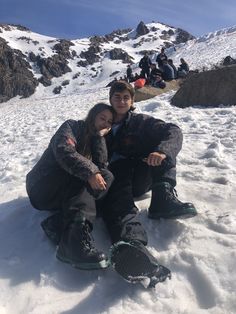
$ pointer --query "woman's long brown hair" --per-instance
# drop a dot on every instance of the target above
(89, 130)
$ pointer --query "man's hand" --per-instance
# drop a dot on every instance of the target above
(154, 159)
(97, 182)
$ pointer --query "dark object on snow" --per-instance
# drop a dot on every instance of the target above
(136, 264)
(77, 248)
(169, 207)
(228, 61)
(209, 89)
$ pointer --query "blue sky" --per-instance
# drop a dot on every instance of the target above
(73, 19)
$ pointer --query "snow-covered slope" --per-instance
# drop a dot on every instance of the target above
(99, 71)
(218, 44)
(201, 251)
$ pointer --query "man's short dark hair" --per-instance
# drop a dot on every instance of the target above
(121, 86)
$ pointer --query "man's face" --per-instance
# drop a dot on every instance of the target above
(121, 102)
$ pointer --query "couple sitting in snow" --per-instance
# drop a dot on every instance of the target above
(100, 164)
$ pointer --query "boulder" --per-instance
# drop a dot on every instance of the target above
(148, 92)
(210, 88)
(120, 54)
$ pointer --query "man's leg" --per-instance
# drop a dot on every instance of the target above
(118, 209)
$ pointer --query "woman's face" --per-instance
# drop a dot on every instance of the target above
(103, 120)
(121, 102)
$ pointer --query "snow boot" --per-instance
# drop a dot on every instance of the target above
(165, 204)
(76, 247)
(53, 227)
(136, 264)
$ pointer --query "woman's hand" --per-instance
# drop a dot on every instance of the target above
(97, 182)
(104, 132)
(154, 159)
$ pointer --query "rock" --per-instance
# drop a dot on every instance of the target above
(45, 81)
(91, 54)
(183, 36)
(54, 66)
(228, 61)
(148, 92)
(210, 88)
(63, 48)
(66, 82)
(57, 90)
(16, 77)
(141, 29)
(32, 57)
(120, 54)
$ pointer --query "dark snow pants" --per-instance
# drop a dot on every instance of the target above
(133, 178)
(66, 193)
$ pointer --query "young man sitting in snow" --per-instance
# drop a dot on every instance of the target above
(142, 154)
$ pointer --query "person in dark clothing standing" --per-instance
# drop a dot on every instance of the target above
(145, 64)
(71, 174)
(129, 73)
(160, 58)
(142, 153)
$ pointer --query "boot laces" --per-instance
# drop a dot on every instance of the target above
(171, 194)
(87, 238)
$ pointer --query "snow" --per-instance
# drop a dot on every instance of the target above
(200, 251)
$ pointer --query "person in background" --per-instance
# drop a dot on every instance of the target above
(168, 71)
(67, 180)
(160, 58)
(129, 73)
(154, 73)
(145, 64)
(183, 69)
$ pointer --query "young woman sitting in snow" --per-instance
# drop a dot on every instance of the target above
(71, 174)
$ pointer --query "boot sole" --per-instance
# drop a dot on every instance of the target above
(131, 263)
(135, 266)
(84, 266)
(183, 216)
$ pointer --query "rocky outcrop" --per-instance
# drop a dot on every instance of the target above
(209, 88)
(16, 77)
(54, 66)
(182, 36)
(119, 54)
(63, 48)
(7, 27)
(91, 55)
(141, 29)
(228, 61)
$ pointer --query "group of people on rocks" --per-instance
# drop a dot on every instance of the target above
(100, 164)
(156, 74)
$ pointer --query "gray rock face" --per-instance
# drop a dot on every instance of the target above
(183, 36)
(91, 54)
(141, 29)
(16, 78)
(210, 88)
(54, 66)
(62, 48)
(119, 54)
